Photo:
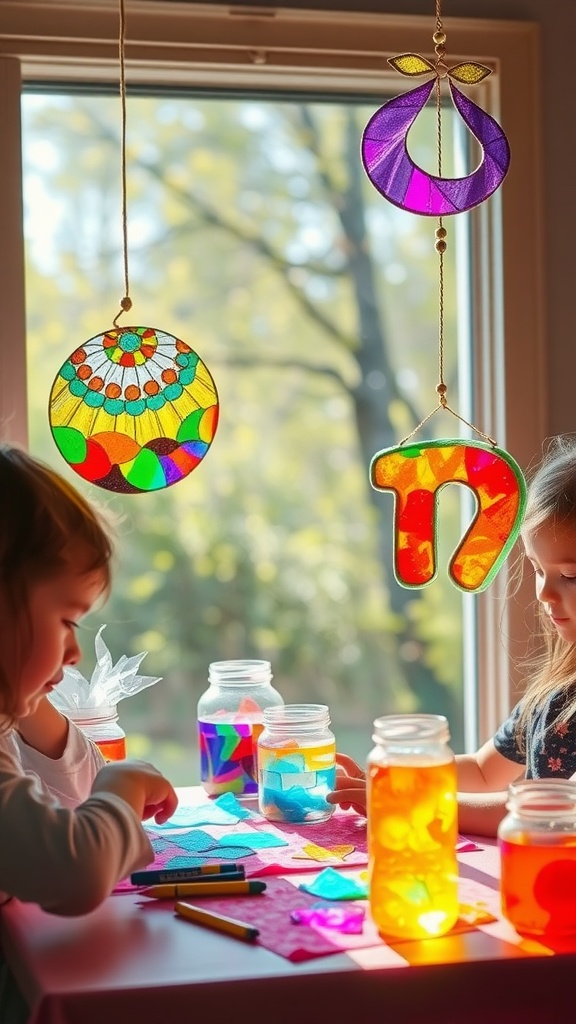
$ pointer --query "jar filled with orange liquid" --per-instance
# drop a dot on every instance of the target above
(537, 841)
(101, 726)
(412, 827)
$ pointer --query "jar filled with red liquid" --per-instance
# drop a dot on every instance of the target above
(537, 841)
(101, 726)
(412, 827)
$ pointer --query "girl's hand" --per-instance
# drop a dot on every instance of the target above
(140, 785)
(350, 788)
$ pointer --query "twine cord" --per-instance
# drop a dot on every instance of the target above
(126, 301)
(439, 38)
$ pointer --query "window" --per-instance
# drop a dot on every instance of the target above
(239, 176)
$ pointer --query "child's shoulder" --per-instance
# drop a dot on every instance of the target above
(8, 744)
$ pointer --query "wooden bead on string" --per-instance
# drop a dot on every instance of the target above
(441, 244)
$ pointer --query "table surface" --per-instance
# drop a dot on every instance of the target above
(128, 957)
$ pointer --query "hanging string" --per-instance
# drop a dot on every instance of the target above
(126, 301)
(441, 69)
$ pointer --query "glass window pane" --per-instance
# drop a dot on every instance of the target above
(255, 236)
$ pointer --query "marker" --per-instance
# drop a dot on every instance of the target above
(166, 892)
(206, 873)
(218, 922)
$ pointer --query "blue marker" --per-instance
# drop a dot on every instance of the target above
(203, 873)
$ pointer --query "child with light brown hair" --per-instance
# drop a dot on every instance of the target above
(71, 825)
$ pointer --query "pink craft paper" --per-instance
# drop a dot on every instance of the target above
(270, 913)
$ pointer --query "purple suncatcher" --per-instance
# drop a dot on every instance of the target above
(395, 175)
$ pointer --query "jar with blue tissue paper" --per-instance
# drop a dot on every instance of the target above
(296, 764)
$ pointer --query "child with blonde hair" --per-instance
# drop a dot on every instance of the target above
(538, 739)
(71, 825)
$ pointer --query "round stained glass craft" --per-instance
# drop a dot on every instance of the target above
(133, 410)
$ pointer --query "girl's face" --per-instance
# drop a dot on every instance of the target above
(55, 607)
(552, 551)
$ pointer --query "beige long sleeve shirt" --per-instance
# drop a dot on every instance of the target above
(59, 846)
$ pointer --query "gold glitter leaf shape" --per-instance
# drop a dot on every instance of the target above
(469, 73)
(411, 64)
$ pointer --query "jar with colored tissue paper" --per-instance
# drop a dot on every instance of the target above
(537, 841)
(230, 719)
(412, 827)
(92, 704)
(296, 764)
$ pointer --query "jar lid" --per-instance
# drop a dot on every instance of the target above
(535, 798)
(104, 713)
(400, 729)
(239, 673)
(295, 716)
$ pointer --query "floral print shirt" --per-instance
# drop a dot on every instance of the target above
(550, 750)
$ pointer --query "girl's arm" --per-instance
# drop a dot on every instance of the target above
(483, 780)
(479, 814)
(486, 771)
(58, 754)
(46, 730)
(68, 861)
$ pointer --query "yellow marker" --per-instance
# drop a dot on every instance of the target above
(218, 922)
(166, 892)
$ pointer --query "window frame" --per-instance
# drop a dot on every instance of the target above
(175, 43)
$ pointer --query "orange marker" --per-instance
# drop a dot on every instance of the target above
(166, 892)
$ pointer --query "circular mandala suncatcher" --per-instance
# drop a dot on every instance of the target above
(133, 410)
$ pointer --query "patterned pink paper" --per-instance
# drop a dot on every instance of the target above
(270, 913)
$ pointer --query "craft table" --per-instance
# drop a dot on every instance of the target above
(135, 960)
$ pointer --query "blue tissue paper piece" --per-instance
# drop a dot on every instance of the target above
(332, 885)
(228, 802)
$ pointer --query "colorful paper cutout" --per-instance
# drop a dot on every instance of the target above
(133, 410)
(394, 174)
(336, 885)
(319, 853)
(213, 813)
(347, 920)
(415, 473)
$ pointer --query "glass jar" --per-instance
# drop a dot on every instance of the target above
(537, 841)
(412, 827)
(296, 763)
(230, 719)
(101, 726)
